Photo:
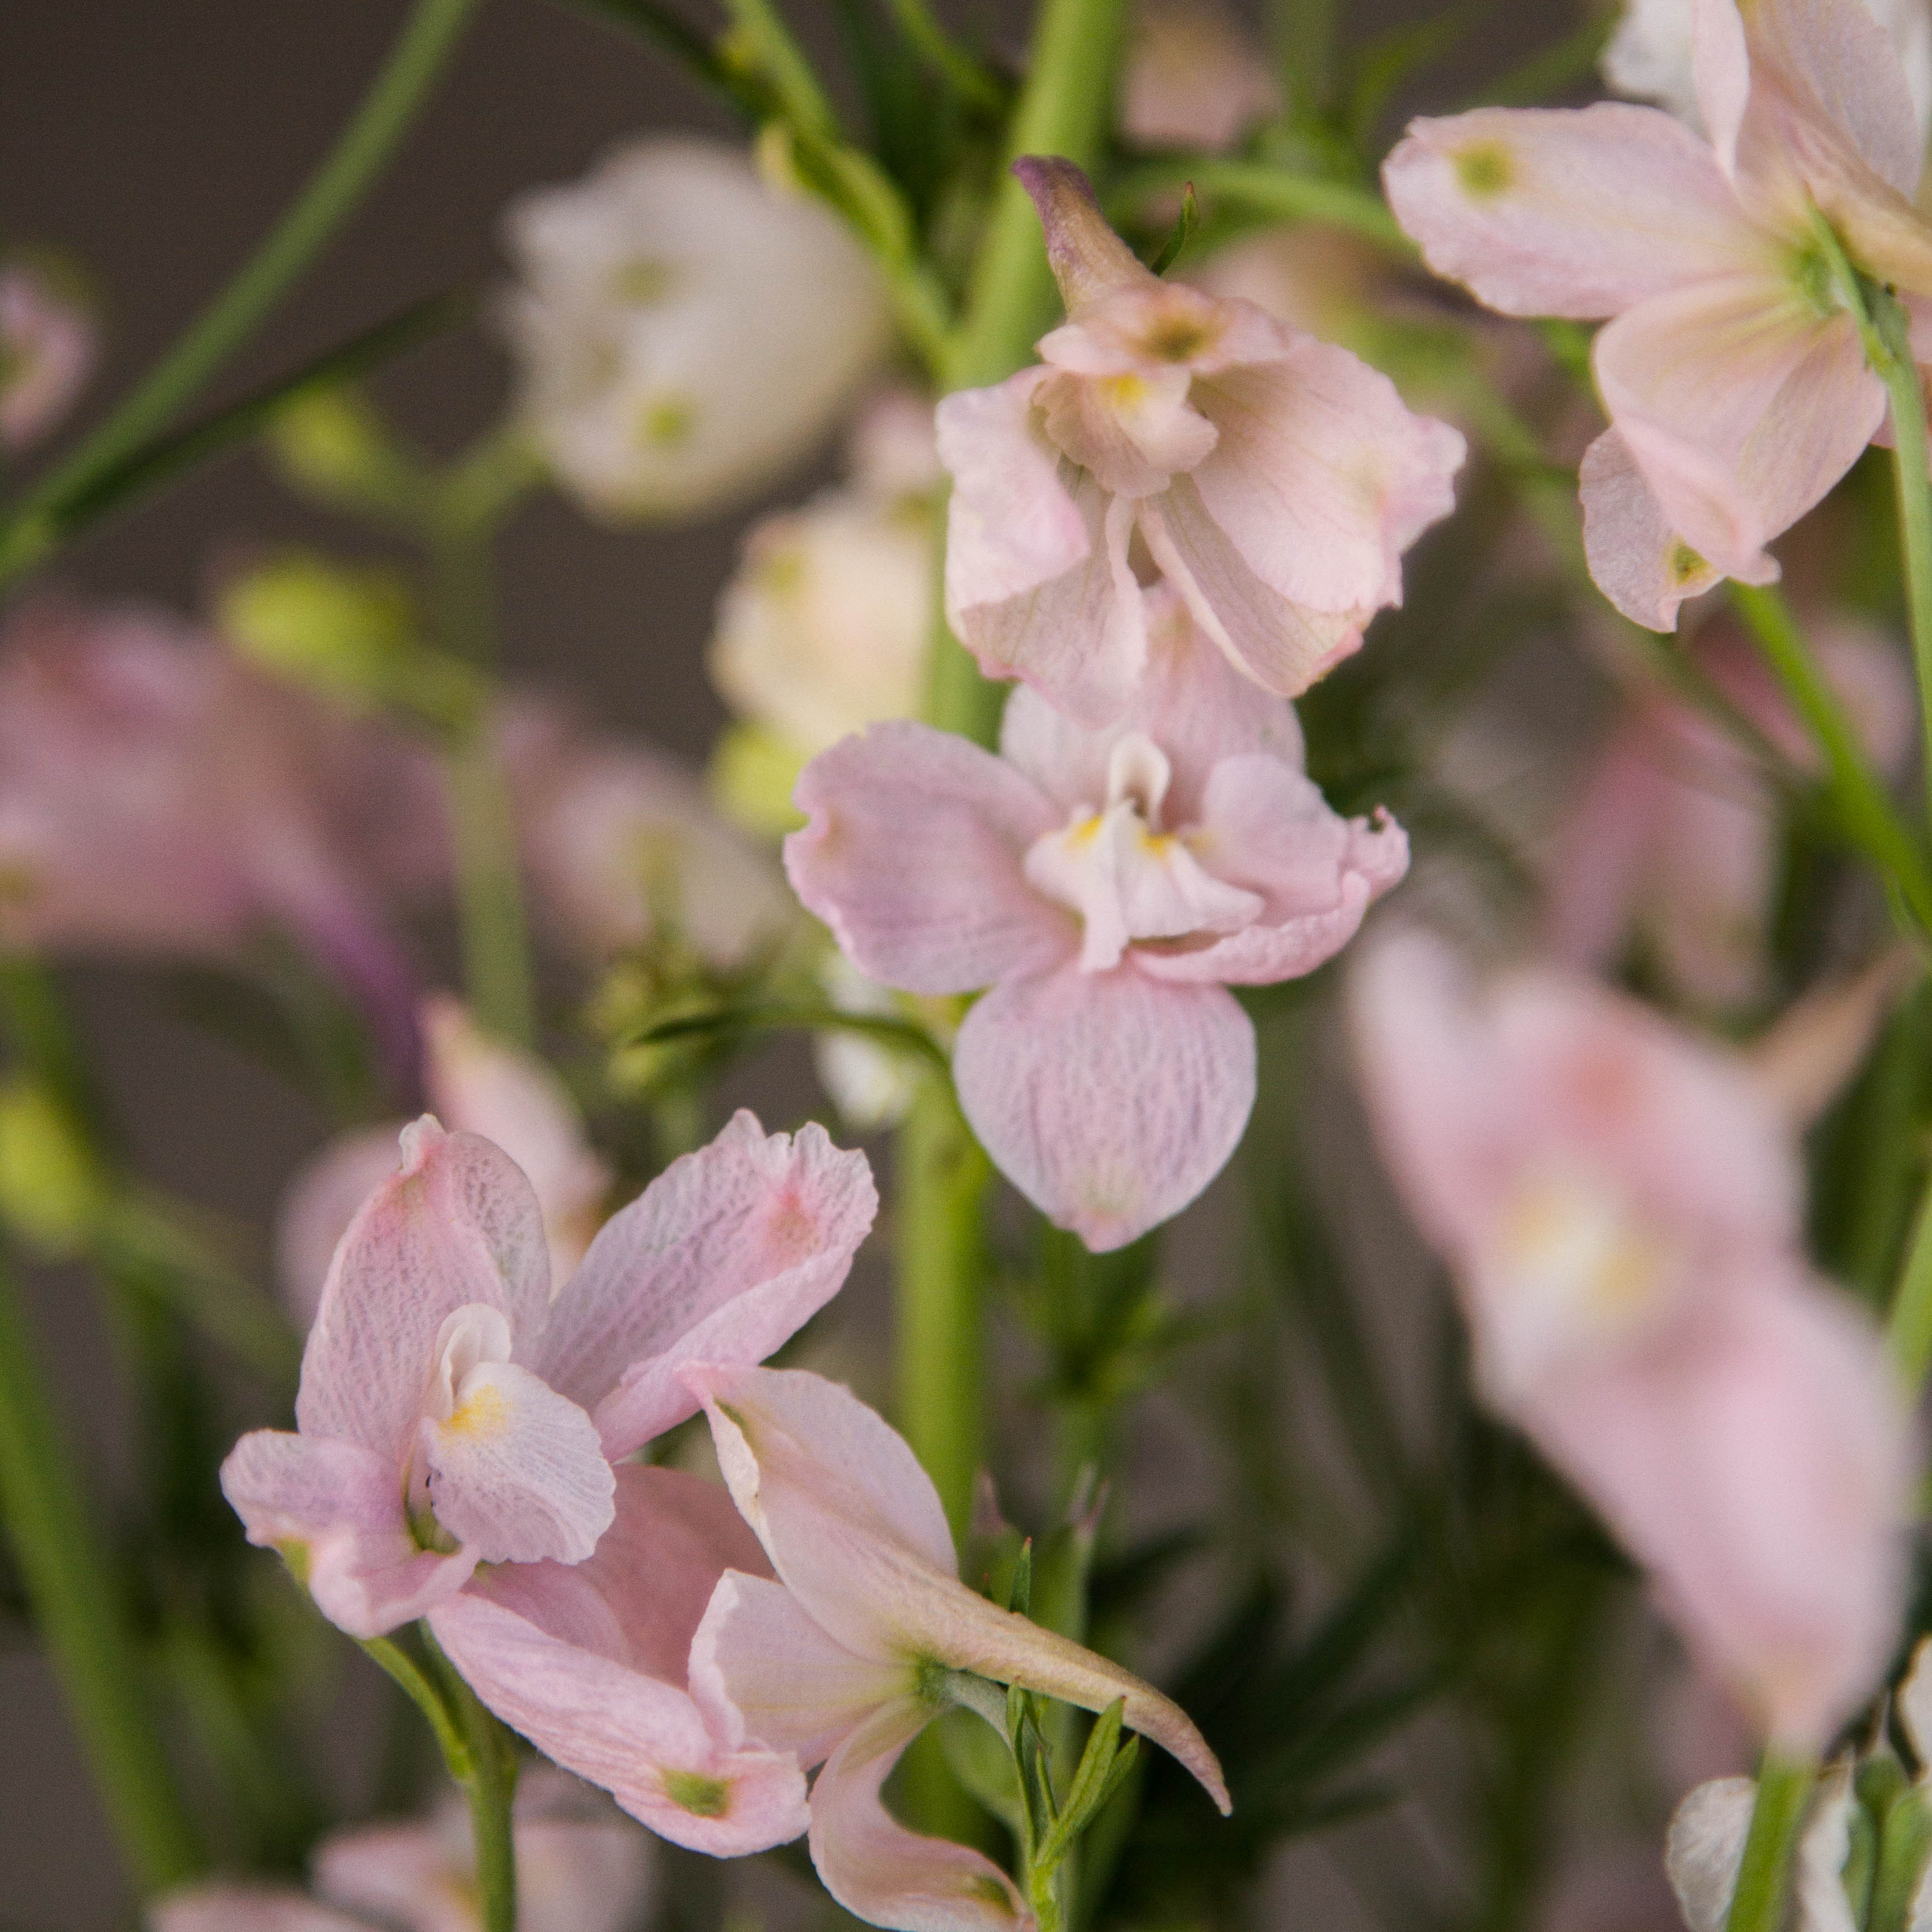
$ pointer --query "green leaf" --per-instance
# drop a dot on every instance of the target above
(1184, 226)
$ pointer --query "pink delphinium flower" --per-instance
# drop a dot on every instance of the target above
(1674, 829)
(577, 1871)
(844, 1658)
(1193, 77)
(454, 1411)
(1735, 384)
(49, 343)
(1620, 1207)
(476, 1085)
(156, 797)
(1109, 887)
(1274, 479)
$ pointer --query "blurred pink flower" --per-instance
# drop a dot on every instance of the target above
(476, 1085)
(844, 1658)
(577, 1871)
(157, 797)
(1275, 480)
(1621, 1207)
(1735, 384)
(1193, 77)
(49, 343)
(452, 1412)
(1108, 885)
(1674, 830)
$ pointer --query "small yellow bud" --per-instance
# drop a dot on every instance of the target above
(347, 635)
(331, 443)
(50, 1189)
(751, 776)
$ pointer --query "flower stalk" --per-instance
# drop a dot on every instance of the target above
(1784, 1791)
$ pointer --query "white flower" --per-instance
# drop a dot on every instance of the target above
(871, 1085)
(1192, 78)
(686, 331)
(48, 342)
(1649, 55)
(824, 628)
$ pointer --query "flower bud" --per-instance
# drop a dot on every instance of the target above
(50, 1189)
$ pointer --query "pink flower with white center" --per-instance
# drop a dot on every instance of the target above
(578, 1869)
(1275, 480)
(1108, 887)
(1621, 1206)
(477, 1085)
(49, 343)
(454, 1410)
(1736, 384)
(1675, 831)
(844, 1658)
(590, 1661)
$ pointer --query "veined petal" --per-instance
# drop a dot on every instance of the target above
(761, 1668)
(1322, 477)
(1131, 431)
(1569, 212)
(1742, 406)
(458, 1225)
(1282, 645)
(885, 1874)
(1108, 1099)
(831, 1489)
(335, 1510)
(1705, 1847)
(516, 1471)
(1635, 559)
(912, 857)
(725, 1254)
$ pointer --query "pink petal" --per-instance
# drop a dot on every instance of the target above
(1569, 212)
(1131, 448)
(760, 1667)
(335, 1510)
(1282, 645)
(882, 1873)
(1109, 1100)
(516, 1473)
(1755, 1462)
(1602, 852)
(1741, 406)
(912, 857)
(723, 1258)
(1322, 478)
(587, 1662)
(458, 1225)
(245, 1908)
(1709, 909)
(1089, 259)
(1635, 559)
(316, 1211)
(853, 1527)
(1191, 701)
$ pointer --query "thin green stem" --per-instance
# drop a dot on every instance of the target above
(1784, 1790)
(399, 1666)
(1266, 190)
(1908, 1328)
(942, 1177)
(79, 1610)
(490, 1787)
(1865, 811)
(937, 49)
(360, 152)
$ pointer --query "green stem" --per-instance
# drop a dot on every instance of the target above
(1784, 1790)
(942, 1177)
(1267, 190)
(78, 1608)
(1863, 807)
(491, 1786)
(934, 46)
(1899, 372)
(360, 152)
(1908, 1328)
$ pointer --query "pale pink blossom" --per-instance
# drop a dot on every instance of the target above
(1735, 384)
(844, 1658)
(578, 1869)
(1193, 77)
(158, 798)
(686, 331)
(475, 1085)
(49, 343)
(453, 1410)
(1108, 885)
(1275, 480)
(1621, 1206)
(623, 849)
(1674, 832)
(591, 1662)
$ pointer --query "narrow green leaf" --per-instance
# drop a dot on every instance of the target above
(1184, 226)
(1019, 1592)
